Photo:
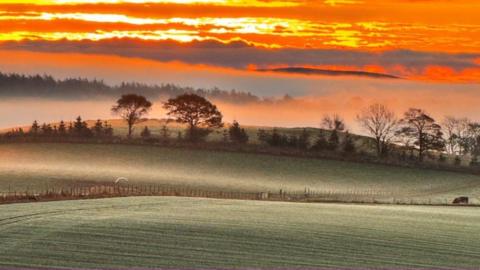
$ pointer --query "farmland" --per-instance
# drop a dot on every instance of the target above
(182, 232)
(40, 165)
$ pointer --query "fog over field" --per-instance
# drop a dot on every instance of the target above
(36, 166)
(314, 95)
(306, 110)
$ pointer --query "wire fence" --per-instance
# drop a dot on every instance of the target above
(307, 195)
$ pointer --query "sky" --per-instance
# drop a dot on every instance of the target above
(433, 46)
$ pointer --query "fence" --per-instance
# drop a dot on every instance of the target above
(105, 191)
(307, 195)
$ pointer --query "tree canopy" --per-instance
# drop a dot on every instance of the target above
(197, 112)
(132, 108)
(419, 128)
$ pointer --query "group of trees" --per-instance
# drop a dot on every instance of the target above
(416, 131)
(75, 129)
(462, 136)
(199, 114)
(328, 138)
(276, 139)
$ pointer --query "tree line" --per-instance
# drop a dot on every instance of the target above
(46, 86)
(76, 129)
(414, 136)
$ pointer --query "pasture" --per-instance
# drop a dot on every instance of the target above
(41, 165)
(206, 233)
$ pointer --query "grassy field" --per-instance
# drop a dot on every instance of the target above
(181, 232)
(36, 166)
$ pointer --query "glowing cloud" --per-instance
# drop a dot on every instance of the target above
(260, 3)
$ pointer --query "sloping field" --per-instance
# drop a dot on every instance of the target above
(36, 166)
(173, 128)
(181, 232)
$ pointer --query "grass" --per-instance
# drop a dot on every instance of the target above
(36, 166)
(205, 233)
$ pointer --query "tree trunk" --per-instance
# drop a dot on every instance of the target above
(420, 147)
(130, 130)
(191, 131)
(379, 147)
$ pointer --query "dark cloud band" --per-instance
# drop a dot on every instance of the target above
(242, 55)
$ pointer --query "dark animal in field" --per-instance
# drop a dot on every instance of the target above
(461, 200)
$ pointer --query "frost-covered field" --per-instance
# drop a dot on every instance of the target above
(183, 232)
(37, 166)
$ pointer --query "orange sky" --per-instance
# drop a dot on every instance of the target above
(451, 26)
(425, 26)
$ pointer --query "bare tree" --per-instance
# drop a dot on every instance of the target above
(131, 108)
(333, 122)
(458, 132)
(380, 122)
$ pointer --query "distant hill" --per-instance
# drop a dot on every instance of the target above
(328, 72)
(45, 86)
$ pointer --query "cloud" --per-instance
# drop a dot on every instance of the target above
(435, 66)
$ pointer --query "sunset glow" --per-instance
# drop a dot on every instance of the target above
(412, 28)
(214, 2)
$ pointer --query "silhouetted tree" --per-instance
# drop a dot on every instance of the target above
(62, 130)
(321, 142)
(458, 134)
(80, 128)
(46, 130)
(304, 140)
(198, 113)
(131, 108)
(108, 129)
(333, 122)
(70, 128)
(237, 134)
(145, 134)
(333, 140)
(35, 128)
(98, 128)
(348, 145)
(164, 133)
(471, 141)
(225, 138)
(262, 136)
(291, 141)
(276, 138)
(423, 130)
(380, 123)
